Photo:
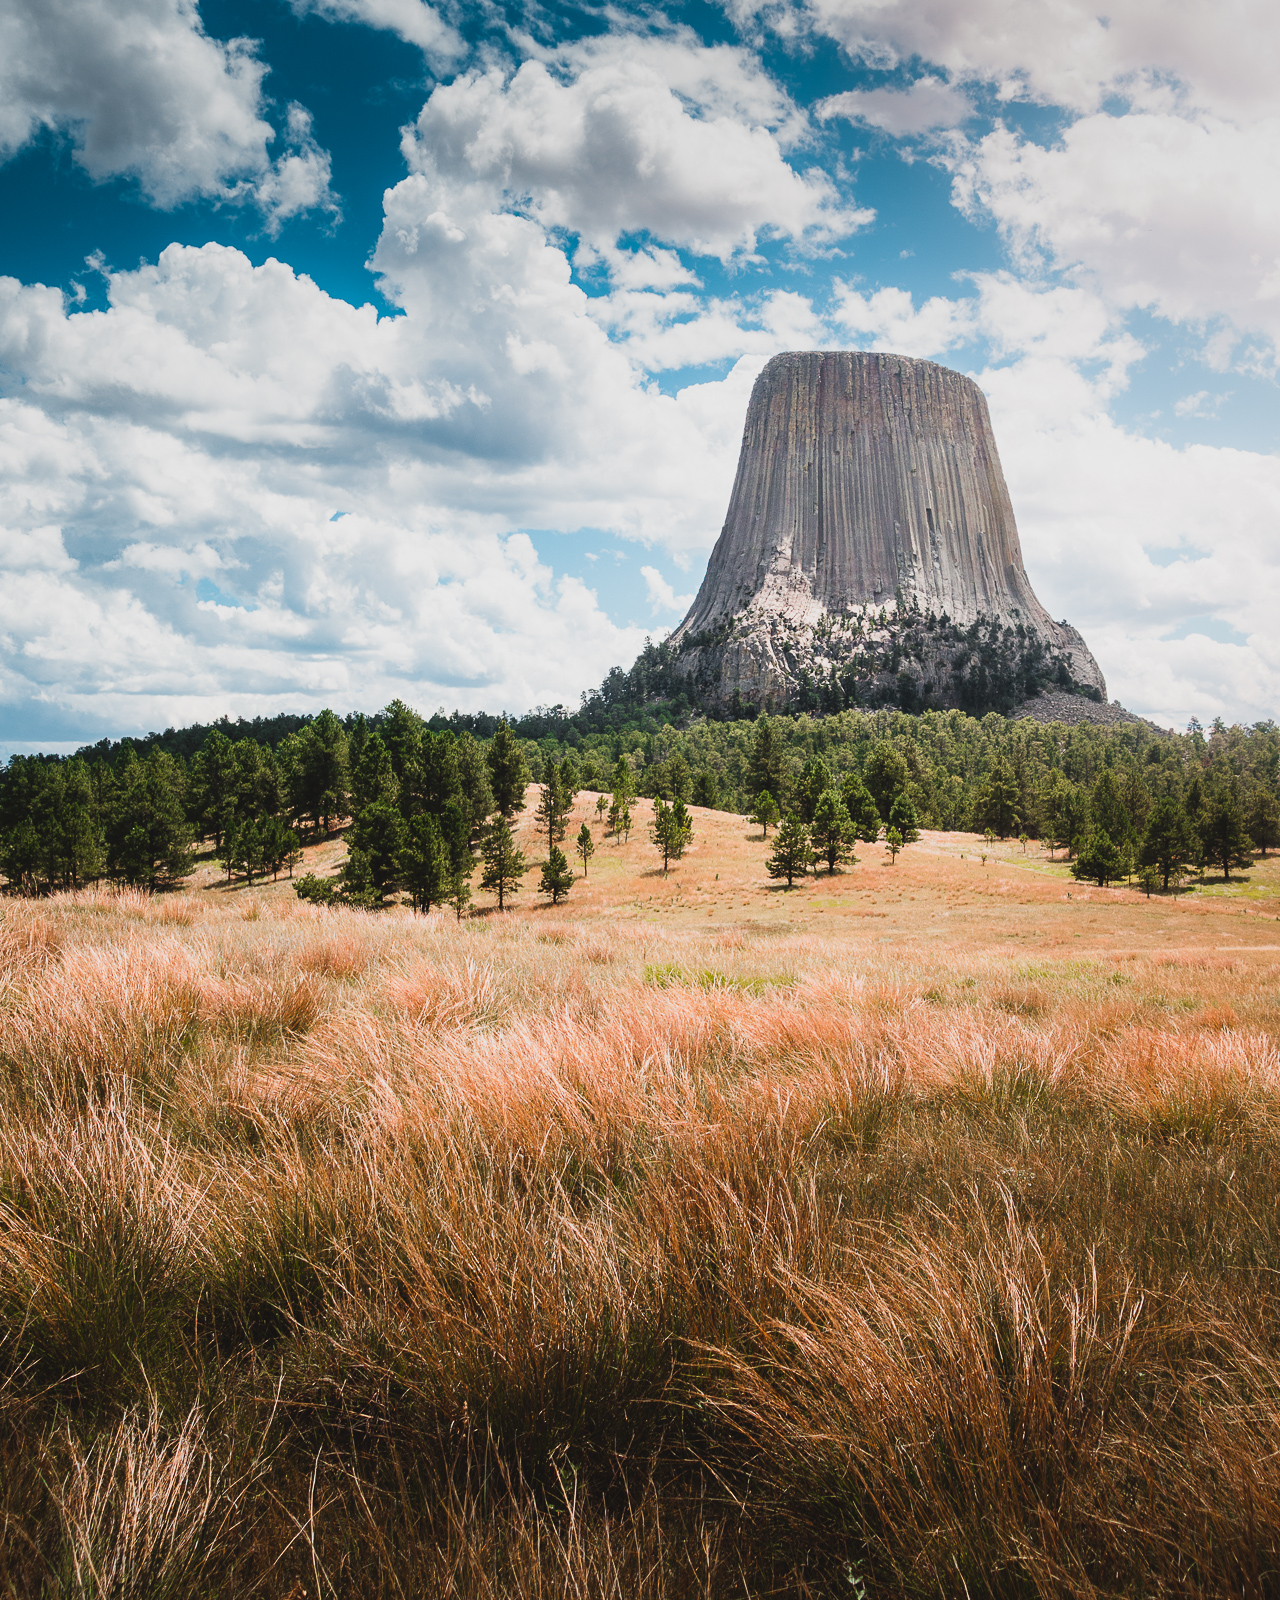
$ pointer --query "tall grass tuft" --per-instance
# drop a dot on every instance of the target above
(143, 1511)
(400, 1257)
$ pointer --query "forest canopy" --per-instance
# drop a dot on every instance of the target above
(417, 793)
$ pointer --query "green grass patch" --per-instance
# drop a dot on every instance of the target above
(667, 975)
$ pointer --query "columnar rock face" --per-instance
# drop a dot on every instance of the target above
(866, 482)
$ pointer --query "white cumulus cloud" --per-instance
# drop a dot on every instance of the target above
(210, 425)
(925, 105)
(144, 92)
(614, 140)
(413, 20)
(1161, 187)
(662, 597)
(1068, 54)
(1170, 213)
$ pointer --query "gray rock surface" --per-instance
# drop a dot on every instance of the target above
(866, 481)
(1070, 708)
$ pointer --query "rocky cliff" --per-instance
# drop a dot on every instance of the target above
(870, 553)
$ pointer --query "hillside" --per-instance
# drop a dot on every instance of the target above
(938, 892)
(912, 1229)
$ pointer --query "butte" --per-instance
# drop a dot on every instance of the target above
(870, 554)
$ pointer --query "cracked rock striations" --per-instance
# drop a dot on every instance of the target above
(869, 498)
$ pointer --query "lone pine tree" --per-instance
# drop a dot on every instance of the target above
(671, 830)
(792, 853)
(504, 864)
(557, 876)
(1099, 858)
(765, 812)
(831, 832)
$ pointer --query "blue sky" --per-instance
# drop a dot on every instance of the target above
(361, 348)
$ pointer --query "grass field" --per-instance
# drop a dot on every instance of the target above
(916, 1231)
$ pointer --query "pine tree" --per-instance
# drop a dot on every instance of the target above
(315, 765)
(250, 854)
(586, 846)
(279, 846)
(20, 856)
(149, 838)
(231, 846)
(258, 791)
(893, 844)
(814, 782)
(557, 876)
(549, 819)
(508, 773)
(767, 769)
(1109, 809)
(1221, 829)
(405, 737)
(670, 830)
(706, 790)
(455, 830)
(460, 892)
(504, 864)
(1262, 820)
(1168, 844)
(998, 805)
(765, 812)
(76, 853)
(570, 775)
(885, 774)
(904, 820)
(831, 832)
(624, 792)
(425, 867)
(792, 853)
(475, 788)
(379, 833)
(212, 786)
(358, 888)
(1068, 814)
(433, 779)
(860, 805)
(1098, 858)
(69, 842)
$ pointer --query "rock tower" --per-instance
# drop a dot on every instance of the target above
(870, 553)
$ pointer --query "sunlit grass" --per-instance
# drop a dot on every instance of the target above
(558, 1255)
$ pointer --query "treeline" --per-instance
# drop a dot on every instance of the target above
(138, 813)
(1117, 801)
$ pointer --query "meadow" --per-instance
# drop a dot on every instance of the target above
(915, 1231)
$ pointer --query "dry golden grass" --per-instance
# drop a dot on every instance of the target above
(870, 1241)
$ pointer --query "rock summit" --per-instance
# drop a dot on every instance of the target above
(870, 554)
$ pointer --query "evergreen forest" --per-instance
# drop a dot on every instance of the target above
(419, 797)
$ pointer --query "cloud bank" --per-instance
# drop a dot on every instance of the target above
(229, 490)
(143, 92)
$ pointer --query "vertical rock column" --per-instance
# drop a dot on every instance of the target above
(862, 477)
